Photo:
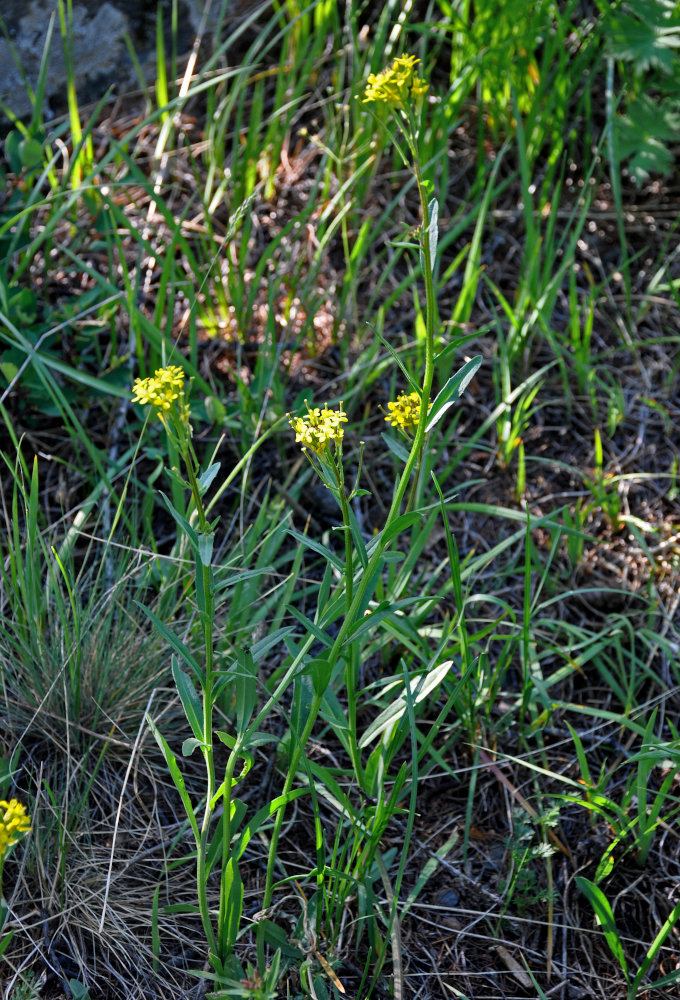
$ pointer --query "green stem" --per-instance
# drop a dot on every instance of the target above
(347, 531)
(224, 946)
(413, 493)
(207, 616)
(296, 753)
(201, 885)
(351, 670)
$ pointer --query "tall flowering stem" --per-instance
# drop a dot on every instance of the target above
(165, 392)
(399, 87)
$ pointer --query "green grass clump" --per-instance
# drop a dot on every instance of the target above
(413, 690)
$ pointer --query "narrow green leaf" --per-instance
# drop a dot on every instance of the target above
(181, 521)
(5, 941)
(377, 615)
(317, 547)
(400, 524)
(419, 688)
(231, 905)
(260, 649)
(176, 776)
(653, 950)
(433, 231)
(206, 478)
(605, 918)
(396, 447)
(155, 933)
(191, 703)
(452, 391)
(310, 626)
(205, 547)
(246, 689)
(261, 817)
(173, 640)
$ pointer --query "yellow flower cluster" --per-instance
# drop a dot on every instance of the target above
(14, 823)
(396, 84)
(319, 427)
(404, 412)
(164, 390)
(160, 390)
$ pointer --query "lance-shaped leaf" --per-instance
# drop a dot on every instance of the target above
(452, 391)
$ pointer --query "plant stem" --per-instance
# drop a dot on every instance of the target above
(296, 753)
(207, 615)
(351, 669)
(222, 920)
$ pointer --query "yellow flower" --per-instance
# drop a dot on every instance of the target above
(14, 823)
(160, 390)
(319, 428)
(404, 412)
(396, 84)
(164, 390)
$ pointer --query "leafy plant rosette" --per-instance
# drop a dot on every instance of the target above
(347, 612)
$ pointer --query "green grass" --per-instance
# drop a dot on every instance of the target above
(448, 731)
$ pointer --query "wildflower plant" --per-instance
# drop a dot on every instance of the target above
(166, 392)
(400, 88)
(347, 611)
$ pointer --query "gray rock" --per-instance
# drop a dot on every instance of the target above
(100, 54)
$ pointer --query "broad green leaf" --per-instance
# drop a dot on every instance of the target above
(78, 990)
(319, 669)
(31, 152)
(277, 938)
(190, 744)
(643, 133)
(645, 36)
